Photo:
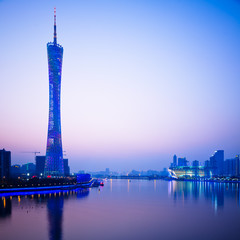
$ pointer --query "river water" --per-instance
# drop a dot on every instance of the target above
(125, 209)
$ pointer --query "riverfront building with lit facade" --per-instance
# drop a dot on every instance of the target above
(214, 167)
(187, 171)
(54, 165)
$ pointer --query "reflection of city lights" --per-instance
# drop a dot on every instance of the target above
(215, 204)
(110, 185)
(169, 188)
(4, 202)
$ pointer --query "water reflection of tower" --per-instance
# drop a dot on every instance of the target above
(55, 212)
(5, 207)
(55, 208)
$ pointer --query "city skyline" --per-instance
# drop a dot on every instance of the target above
(142, 80)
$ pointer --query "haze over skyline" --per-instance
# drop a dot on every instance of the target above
(142, 80)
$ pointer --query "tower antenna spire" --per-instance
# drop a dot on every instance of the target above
(55, 28)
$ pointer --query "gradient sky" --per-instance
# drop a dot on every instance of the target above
(142, 80)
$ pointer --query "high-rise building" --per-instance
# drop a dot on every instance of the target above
(5, 164)
(207, 164)
(231, 167)
(207, 169)
(175, 160)
(236, 166)
(40, 164)
(195, 163)
(16, 171)
(228, 167)
(217, 162)
(66, 167)
(54, 155)
(182, 162)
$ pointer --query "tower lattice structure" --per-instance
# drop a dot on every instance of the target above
(54, 155)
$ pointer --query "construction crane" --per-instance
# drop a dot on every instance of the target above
(31, 152)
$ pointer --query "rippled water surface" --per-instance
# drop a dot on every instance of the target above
(125, 209)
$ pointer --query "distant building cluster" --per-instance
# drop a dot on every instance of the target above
(101, 174)
(133, 173)
(148, 173)
(216, 166)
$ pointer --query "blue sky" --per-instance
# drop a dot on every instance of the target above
(142, 80)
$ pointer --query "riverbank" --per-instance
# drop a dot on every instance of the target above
(218, 180)
(36, 184)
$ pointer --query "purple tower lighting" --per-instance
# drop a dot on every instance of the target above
(54, 154)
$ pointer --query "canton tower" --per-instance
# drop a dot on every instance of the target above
(54, 154)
